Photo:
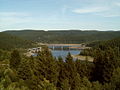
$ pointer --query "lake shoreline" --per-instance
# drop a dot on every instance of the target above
(83, 58)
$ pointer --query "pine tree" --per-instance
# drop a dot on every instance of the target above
(105, 62)
(115, 80)
(61, 71)
(15, 59)
(84, 68)
(24, 71)
(77, 82)
(65, 85)
(71, 70)
(47, 66)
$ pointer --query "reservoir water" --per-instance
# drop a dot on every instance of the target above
(64, 53)
(63, 49)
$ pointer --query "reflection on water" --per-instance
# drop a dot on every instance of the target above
(64, 53)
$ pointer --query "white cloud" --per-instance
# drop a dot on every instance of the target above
(108, 15)
(11, 18)
(5, 14)
(117, 3)
(90, 10)
(105, 11)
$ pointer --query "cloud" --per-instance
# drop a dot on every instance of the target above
(117, 3)
(11, 18)
(103, 8)
(90, 10)
(108, 15)
(105, 11)
(11, 14)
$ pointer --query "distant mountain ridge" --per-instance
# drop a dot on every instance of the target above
(64, 36)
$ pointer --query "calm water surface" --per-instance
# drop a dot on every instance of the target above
(64, 53)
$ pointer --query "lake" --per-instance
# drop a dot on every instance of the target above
(64, 53)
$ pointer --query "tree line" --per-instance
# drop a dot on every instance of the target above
(68, 36)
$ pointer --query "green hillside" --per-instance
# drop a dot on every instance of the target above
(106, 44)
(70, 36)
(43, 72)
(8, 42)
(102, 45)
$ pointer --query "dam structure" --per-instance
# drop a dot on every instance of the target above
(66, 46)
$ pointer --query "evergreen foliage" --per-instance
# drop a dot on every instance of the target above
(15, 59)
(9, 42)
(69, 36)
(44, 72)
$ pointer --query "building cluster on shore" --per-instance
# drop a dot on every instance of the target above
(33, 51)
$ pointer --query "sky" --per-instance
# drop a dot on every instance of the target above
(60, 14)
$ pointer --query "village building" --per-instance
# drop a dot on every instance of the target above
(33, 51)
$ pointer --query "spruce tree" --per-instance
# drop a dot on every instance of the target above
(47, 66)
(15, 59)
(71, 70)
(105, 62)
(24, 71)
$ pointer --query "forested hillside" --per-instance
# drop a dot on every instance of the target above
(45, 72)
(105, 44)
(70, 36)
(8, 42)
(102, 45)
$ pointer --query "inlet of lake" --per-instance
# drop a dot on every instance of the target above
(64, 53)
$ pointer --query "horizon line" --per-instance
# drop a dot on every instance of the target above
(57, 30)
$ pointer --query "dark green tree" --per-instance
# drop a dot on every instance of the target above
(105, 63)
(47, 66)
(71, 70)
(61, 71)
(77, 82)
(115, 80)
(15, 59)
(24, 71)
(84, 68)
(65, 85)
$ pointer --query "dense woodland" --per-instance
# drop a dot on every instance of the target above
(70, 36)
(8, 42)
(102, 45)
(45, 72)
